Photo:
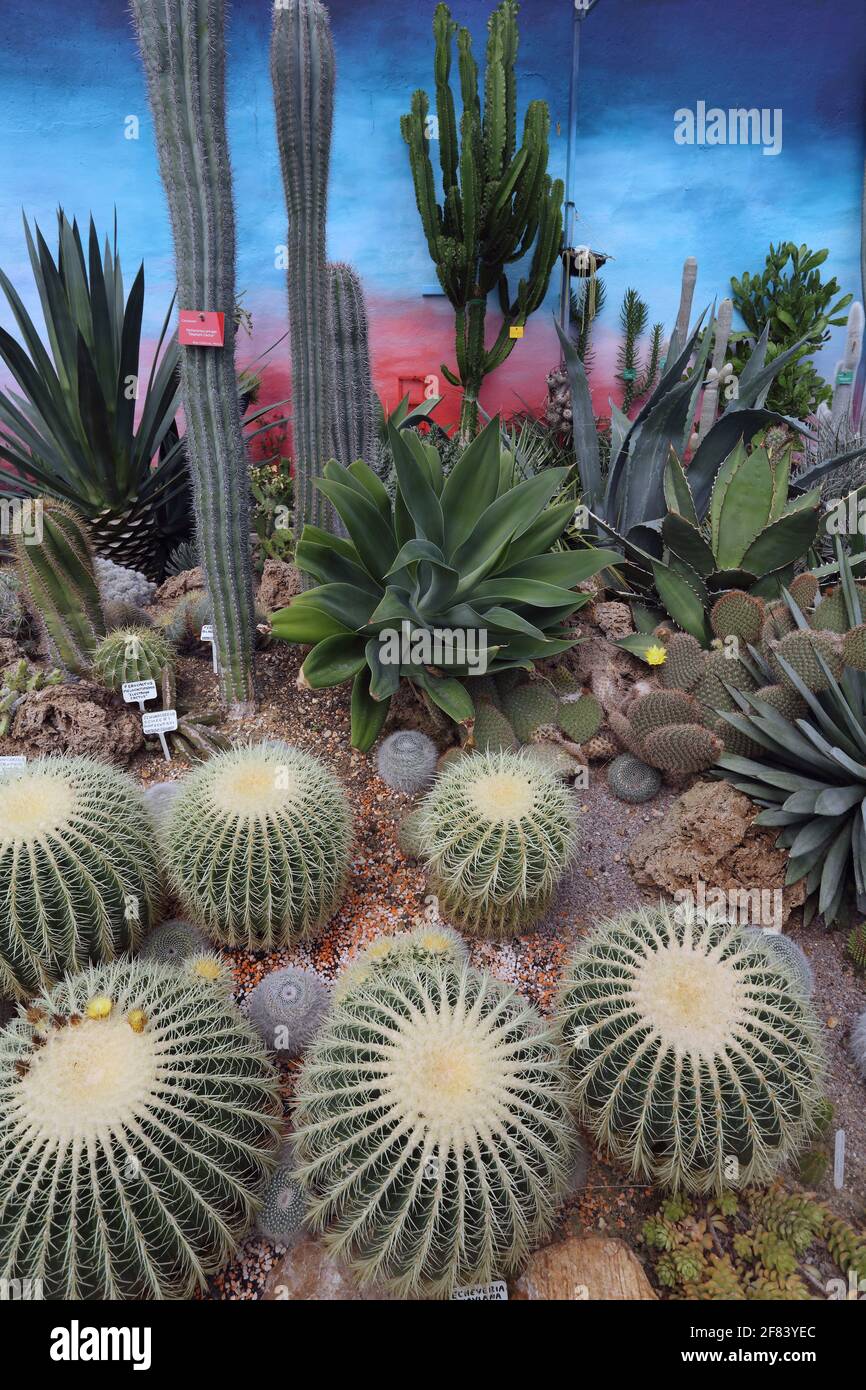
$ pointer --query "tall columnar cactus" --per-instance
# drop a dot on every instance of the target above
(259, 844)
(694, 1055)
(499, 201)
(59, 575)
(183, 49)
(350, 390)
(432, 1128)
(79, 879)
(138, 1126)
(303, 74)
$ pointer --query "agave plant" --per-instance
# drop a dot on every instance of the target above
(809, 772)
(467, 557)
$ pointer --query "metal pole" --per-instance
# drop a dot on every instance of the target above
(580, 11)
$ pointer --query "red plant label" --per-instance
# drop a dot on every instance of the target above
(198, 328)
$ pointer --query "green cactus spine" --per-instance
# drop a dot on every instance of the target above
(350, 390)
(131, 654)
(183, 49)
(499, 200)
(60, 579)
(688, 1051)
(258, 845)
(138, 1126)
(432, 1128)
(303, 75)
(79, 879)
(497, 833)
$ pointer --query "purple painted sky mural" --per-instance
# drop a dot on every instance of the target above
(71, 76)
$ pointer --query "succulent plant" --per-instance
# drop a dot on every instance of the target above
(138, 1125)
(439, 570)
(856, 945)
(432, 1128)
(406, 761)
(258, 845)
(684, 662)
(810, 654)
(431, 943)
(131, 654)
(632, 780)
(497, 833)
(79, 877)
(858, 1044)
(351, 396)
(409, 835)
(173, 942)
(159, 798)
(61, 584)
(553, 757)
(492, 731)
(667, 730)
(118, 613)
(692, 1061)
(792, 956)
(530, 707)
(17, 681)
(286, 1008)
(14, 622)
(281, 1219)
(191, 612)
(580, 719)
(117, 584)
(738, 614)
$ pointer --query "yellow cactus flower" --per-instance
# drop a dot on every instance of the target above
(137, 1020)
(99, 1007)
(656, 655)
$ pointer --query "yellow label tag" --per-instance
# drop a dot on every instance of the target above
(515, 332)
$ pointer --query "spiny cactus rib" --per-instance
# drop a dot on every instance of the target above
(79, 879)
(183, 50)
(258, 845)
(406, 760)
(303, 74)
(497, 834)
(432, 1129)
(350, 390)
(693, 1061)
(138, 1124)
(60, 579)
(131, 654)
(426, 945)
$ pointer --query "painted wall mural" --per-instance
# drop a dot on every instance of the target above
(662, 168)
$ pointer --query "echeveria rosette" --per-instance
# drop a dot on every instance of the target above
(469, 552)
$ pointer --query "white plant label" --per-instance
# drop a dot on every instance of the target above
(160, 722)
(12, 764)
(136, 692)
(207, 635)
(497, 1292)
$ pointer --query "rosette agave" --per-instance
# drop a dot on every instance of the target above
(448, 573)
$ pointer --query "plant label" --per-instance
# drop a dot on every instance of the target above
(136, 692)
(160, 722)
(11, 765)
(197, 328)
(207, 635)
(497, 1292)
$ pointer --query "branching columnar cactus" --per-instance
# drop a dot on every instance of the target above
(497, 834)
(182, 45)
(303, 75)
(286, 1008)
(59, 576)
(138, 1125)
(432, 1128)
(259, 842)
(350, 390)
(499, 200)
(131, 654)
(406, 760)
(79, 879)
(694, 1060)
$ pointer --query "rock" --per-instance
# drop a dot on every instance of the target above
(610, 672)
(708, 836)
(177, 585)
(308, 1274)
(77, 719)
(583, 1267)
(280, 583)
(613, 618)
(10, 654)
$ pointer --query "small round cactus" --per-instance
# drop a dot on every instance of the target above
(131, 654)
(122, 614)
(190, 615)
(258, 845)
(738, 614)
(173, 942)
(693, 1060)
(281, 1219)
(792, 956)
(497, 832)
(79, 878)
(408, 835)
(406, 761)
(119, 584)
(138, 1125)
(632, 780)
(858, 1044)
(159, 798)
(286, 1008)
(432, 1129)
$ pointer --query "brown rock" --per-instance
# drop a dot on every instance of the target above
(709, 836)
(610, 672)
(613, 618)
(77, 719)
(583, 1267)
(280, 583)
(308, 1274)
(9, 653)
(179, 584)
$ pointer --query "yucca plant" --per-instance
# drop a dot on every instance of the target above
(70, 431)
(468, 554)
(808, 767)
